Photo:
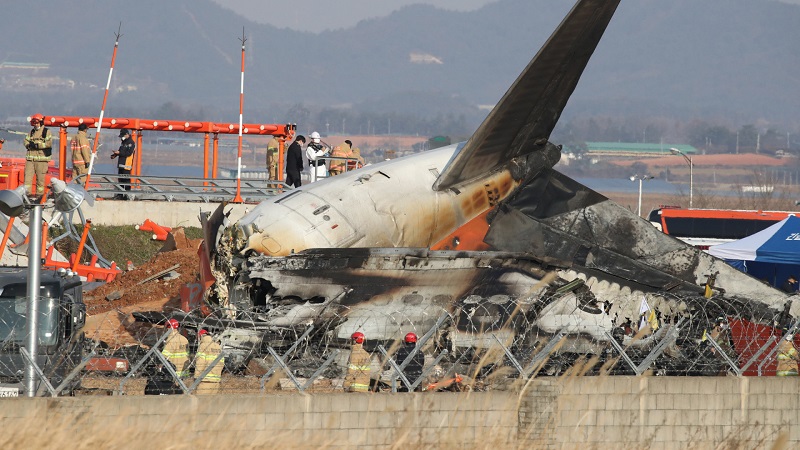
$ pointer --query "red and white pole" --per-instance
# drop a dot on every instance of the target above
(238, 198)
(103, 108)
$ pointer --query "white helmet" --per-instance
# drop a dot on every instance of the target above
(789, 337)
(315, 137)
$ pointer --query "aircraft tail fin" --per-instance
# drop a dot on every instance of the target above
(522, 121)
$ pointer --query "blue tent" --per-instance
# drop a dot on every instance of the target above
(771, 254)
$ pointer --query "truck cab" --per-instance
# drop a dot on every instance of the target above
(62, 315)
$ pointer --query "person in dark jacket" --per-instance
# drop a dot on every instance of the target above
(125, 164)
(414, 368)
(294, 161)
(790, 285)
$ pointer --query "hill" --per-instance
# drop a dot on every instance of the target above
(728, 59)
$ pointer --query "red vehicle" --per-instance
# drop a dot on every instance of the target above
(703, 228)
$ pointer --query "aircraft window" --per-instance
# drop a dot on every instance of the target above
(412, 299)
(442, 299)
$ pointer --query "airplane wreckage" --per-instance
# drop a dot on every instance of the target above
(486, 231)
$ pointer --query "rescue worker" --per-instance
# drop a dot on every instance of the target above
(358, 366)
(38, 154)
(273, 147)
(356, 153)
(294, 162)
(81, 154)
(414, 368)
(343, 150)
(790, 285)
(787, 357)
(176, 349)
(207, 351)
(125, 164)
(316, 152)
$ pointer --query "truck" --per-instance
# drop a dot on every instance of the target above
(62, 315)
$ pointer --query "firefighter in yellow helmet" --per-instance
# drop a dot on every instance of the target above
(176, 349)
(358, 366)
(81, 154)
(207, 352)
(787, 357)
(38, 154)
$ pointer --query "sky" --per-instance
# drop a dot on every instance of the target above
(321, 15)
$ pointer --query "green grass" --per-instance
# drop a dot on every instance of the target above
(119, 243)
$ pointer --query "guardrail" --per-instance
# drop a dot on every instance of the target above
(183, 188)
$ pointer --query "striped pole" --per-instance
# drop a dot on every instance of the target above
(238, 198)
(103, 108)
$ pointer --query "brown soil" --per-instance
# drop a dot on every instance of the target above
(110, 320)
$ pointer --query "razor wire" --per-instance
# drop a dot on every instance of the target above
(304, 347)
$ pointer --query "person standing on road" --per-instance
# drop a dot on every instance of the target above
(207, 352)
(294, 162)
(358, 366)
(38, 154)
(176, 349)
(125, 153)
(81, 154)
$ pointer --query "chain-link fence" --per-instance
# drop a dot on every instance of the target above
(470, 344)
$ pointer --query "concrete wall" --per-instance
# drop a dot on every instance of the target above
(329, 421)
(170, 214)
(586, 412)
(662, 412)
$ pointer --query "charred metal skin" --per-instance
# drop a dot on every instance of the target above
(343, 254)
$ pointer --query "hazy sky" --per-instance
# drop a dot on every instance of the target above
(320, 15)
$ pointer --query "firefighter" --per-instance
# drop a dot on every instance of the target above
(125, 163)
(359, 163)
(81, 154)
(413, 370)
(787, 357)
(207, 351)
(38, 154)
(343, 150)
(273, 147)
(358, 366)
(176, 349)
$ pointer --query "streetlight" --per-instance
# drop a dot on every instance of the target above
(640, 178)
(688, 159)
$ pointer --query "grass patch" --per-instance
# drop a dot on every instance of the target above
(119, 243)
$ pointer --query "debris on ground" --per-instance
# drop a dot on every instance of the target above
(152, 286)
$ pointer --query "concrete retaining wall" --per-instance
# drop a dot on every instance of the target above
(329, 421)
(170, 214)
(588, 412)
(662, 412)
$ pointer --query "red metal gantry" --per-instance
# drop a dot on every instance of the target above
(210, 158)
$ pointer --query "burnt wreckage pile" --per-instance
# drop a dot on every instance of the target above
(522, 253)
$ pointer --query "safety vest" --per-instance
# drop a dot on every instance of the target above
(43, 148)
(207, 352)
(78, 145)
(358, 370)
(176, 350)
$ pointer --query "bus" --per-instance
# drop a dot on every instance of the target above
(703, 228)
